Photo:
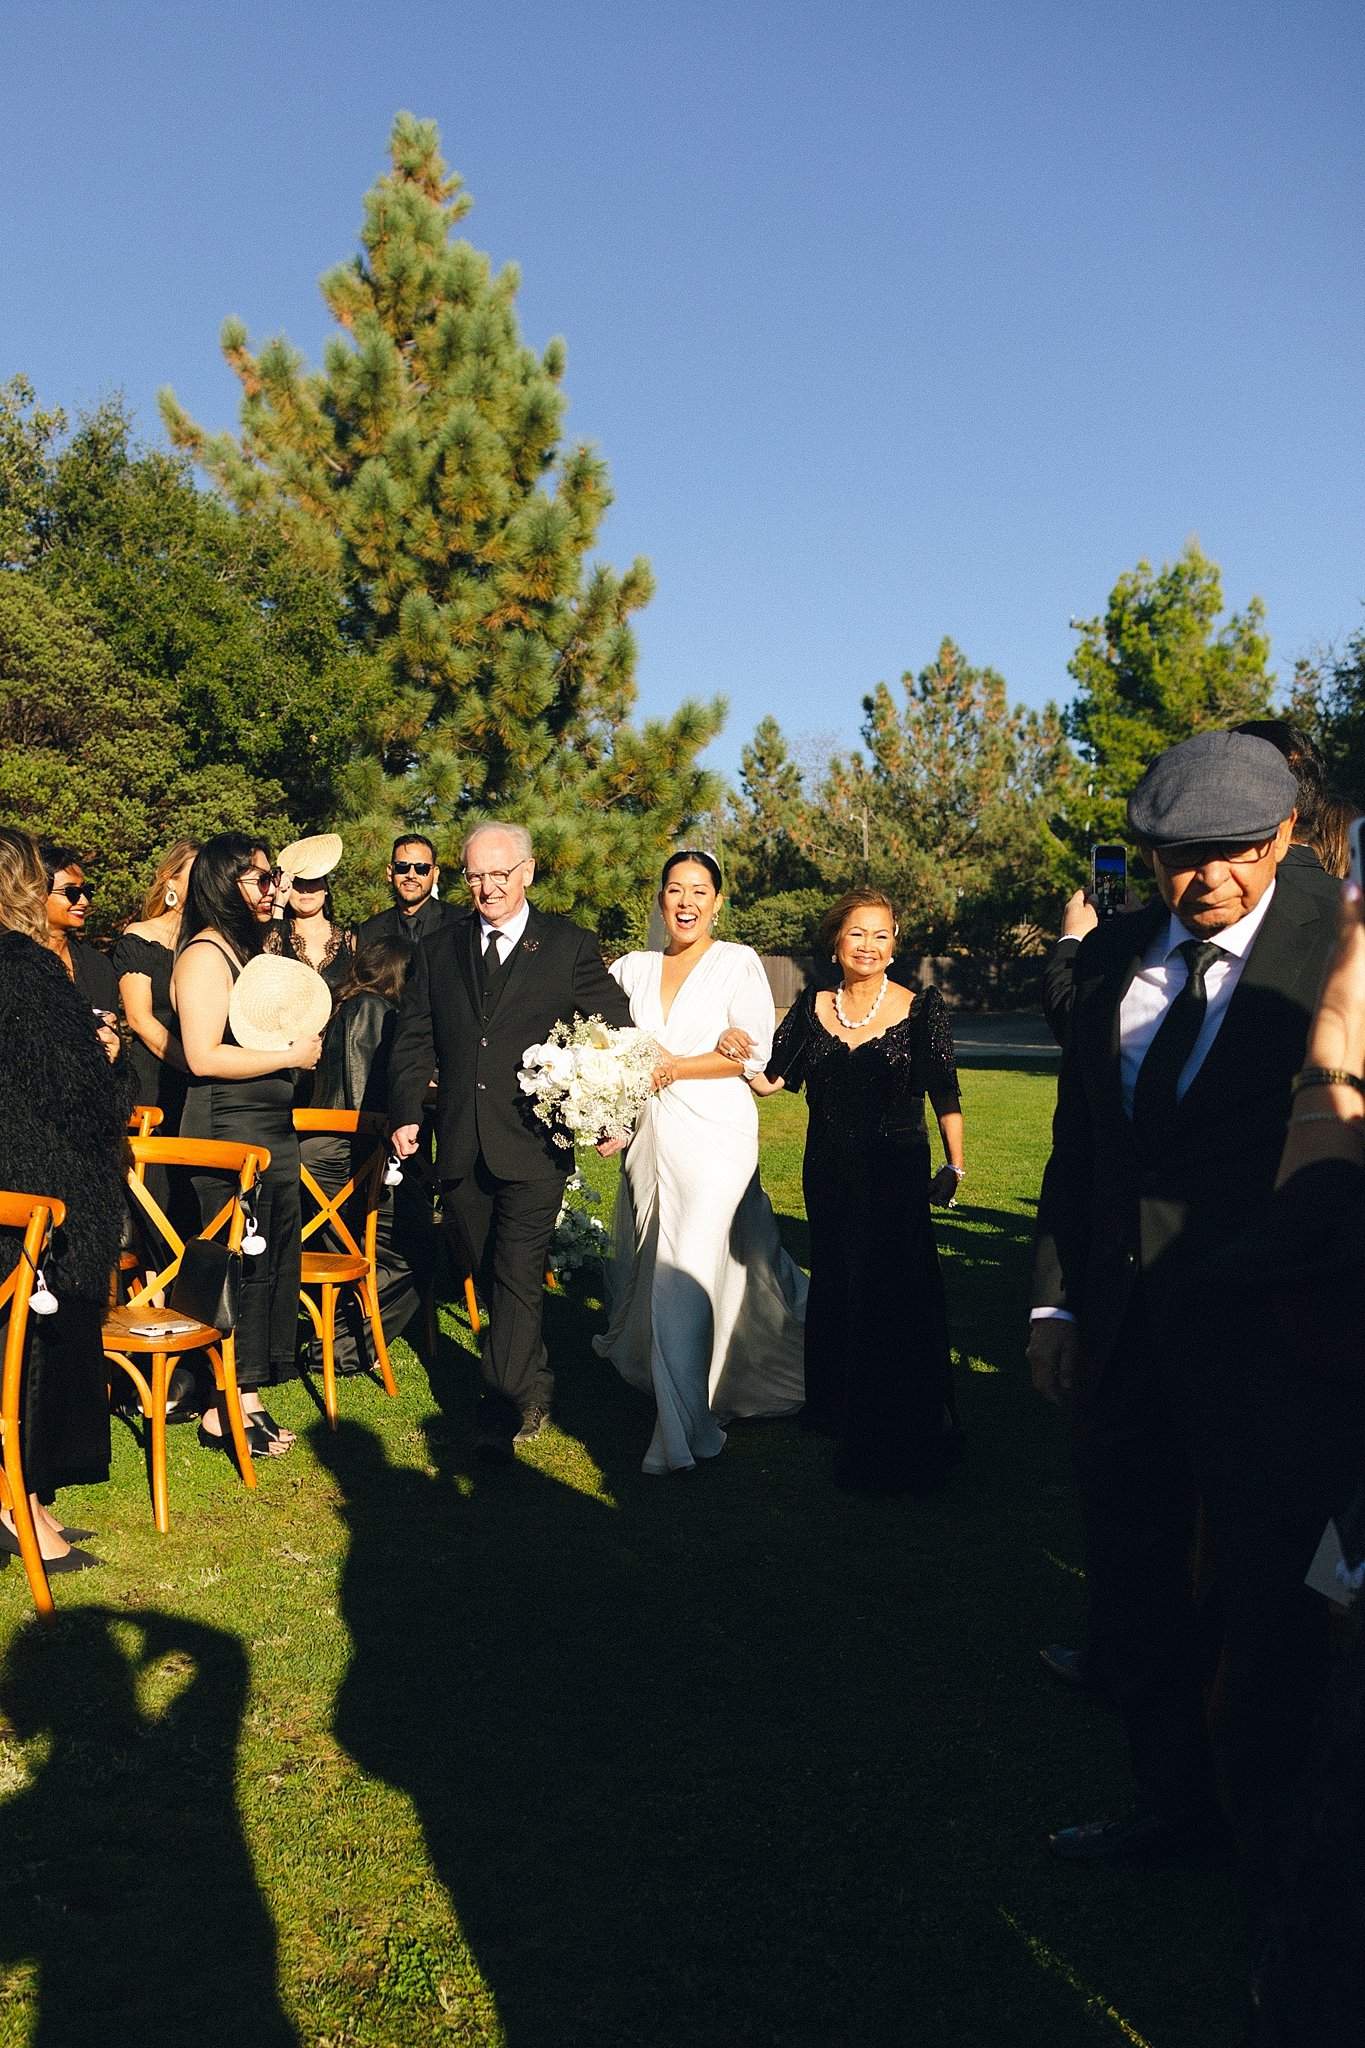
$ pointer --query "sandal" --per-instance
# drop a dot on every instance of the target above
(262, 1419)
(257, 1442)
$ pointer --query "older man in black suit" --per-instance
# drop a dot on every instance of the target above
(1188, 1024)
(488, 983)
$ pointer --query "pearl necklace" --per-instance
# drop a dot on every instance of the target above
(862, 1022)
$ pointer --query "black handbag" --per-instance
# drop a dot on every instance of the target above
(208, 1286)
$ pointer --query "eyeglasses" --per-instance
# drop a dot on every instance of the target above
(307, 888)
(412, 867)
(73, 892)
(494, 878)
(257, 878)
(1186, 859)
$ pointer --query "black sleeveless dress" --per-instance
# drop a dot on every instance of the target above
(256, 1112)
(878, 1366)
(158, 1082)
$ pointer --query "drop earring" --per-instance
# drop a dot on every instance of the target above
(171, 899)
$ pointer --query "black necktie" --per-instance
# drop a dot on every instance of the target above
(492, 959)
(1154, 1097)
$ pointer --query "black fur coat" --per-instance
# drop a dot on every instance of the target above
(63, 1116)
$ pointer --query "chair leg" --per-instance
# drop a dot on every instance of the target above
(369, 1301)
(20, 1508)
(236, 1420)
(156, 1437)
(329, 1338)
(471, 1302)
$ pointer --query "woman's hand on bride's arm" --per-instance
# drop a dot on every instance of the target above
(761, 1085)
(734, 1044)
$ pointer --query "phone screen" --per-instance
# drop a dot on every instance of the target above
(1109, 878)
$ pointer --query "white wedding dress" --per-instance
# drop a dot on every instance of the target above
(706, 1307)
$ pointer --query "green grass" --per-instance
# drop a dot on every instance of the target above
(397, 1752)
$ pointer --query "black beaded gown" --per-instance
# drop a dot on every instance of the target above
(878, 1366)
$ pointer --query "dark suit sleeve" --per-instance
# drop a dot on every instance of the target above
(595, 993)
(412, 1063)
(1061, 1239)
(1058, 983)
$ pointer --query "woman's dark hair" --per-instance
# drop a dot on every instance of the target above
(831, 925)
(703, 860)
(379, 968)
(55, 857)
(214, 902)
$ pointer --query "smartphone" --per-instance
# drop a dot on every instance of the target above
(1108, 877)
(1354, 832)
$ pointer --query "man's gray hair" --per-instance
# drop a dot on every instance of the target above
(518, 834)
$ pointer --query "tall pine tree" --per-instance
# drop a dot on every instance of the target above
(421, 466)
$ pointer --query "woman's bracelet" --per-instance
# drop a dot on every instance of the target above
(960, 1172)
(1326, 1077)
(1321, 1116)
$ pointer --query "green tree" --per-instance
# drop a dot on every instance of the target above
(1154, 669)
(953, 809)
(27, 439)
(421, 466)
(90, 753)
(1328, 698)
(767, 822)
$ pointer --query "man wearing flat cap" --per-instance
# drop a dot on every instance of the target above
(1188, 1024)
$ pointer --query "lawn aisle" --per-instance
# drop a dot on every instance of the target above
(567, 1756)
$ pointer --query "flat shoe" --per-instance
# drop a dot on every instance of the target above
(74, 1560)
(257, 1442)
(76, 1535)
(262, 1419)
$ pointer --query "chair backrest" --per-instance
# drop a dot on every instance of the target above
(328, 1211)
(36, 1216)
(143, 1119)
(248, 1162)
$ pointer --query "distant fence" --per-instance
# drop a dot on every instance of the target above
(966, 981)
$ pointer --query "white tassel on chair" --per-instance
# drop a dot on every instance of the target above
(42, 1301)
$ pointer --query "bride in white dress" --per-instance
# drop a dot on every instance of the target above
(706, 1307)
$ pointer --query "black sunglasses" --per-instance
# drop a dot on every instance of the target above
(73, 892)
(412, 867)
(257, 878)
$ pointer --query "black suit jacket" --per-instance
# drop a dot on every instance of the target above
(392, 924)
(1111, 1213)
(554, 973)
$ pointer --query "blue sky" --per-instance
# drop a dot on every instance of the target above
(892, 320)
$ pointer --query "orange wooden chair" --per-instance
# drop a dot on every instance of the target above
(123, 1343)
(354, 1265)
(143, 1120)
(36, 1216)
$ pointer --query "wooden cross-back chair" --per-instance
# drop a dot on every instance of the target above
(123, 1345)
(36, 1216)
(143, 1120)
(354, 1265)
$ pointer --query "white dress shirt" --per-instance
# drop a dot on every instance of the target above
(1155, 986)
(508, 934)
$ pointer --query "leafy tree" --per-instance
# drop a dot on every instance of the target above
(27, 437)
(1328, 698)
(767, 822)
(1154, 669)
(421, 467)
(952, 809)
(90, 753)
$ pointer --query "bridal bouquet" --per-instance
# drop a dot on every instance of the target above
(589, 1080)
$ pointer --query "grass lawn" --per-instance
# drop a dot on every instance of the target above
(396, 1751)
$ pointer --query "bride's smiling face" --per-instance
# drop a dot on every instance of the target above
(689, 902)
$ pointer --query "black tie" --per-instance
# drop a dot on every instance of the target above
(492, 959)
(1154, 1097)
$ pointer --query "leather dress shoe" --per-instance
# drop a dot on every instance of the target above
(493, 1447)
(1146, 1837)
(1066, 1666)
(532, 1425)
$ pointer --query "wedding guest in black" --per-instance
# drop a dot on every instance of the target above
(417, 911)
(246, 1098)
(69, 896)
(65, 1088)
(1188, 1022)
(143, 958)
(868, 1052)
(305, 920)
(1331, 833)
(354, 1074)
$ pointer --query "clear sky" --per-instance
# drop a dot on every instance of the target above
(892, 320)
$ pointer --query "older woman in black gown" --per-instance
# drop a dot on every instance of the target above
(878, 1367)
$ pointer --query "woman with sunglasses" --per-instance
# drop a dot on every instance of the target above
(309, 931)
(69, 897)
(246, 1098)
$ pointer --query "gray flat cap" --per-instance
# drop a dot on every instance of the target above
(1219, 786)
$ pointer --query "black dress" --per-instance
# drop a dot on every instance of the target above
(160, 1084)
(878, 1367)
(256, 1112)
(63, 1112)
(336, 962)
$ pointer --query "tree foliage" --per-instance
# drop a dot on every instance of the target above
(1328, 698)
(421, 467)
(1156, 668)
(766, 823)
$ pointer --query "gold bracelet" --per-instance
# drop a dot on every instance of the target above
(1326, 1077)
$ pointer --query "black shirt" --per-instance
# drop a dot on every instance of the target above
(394, 923)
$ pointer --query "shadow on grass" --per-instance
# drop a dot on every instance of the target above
(125, 1879)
